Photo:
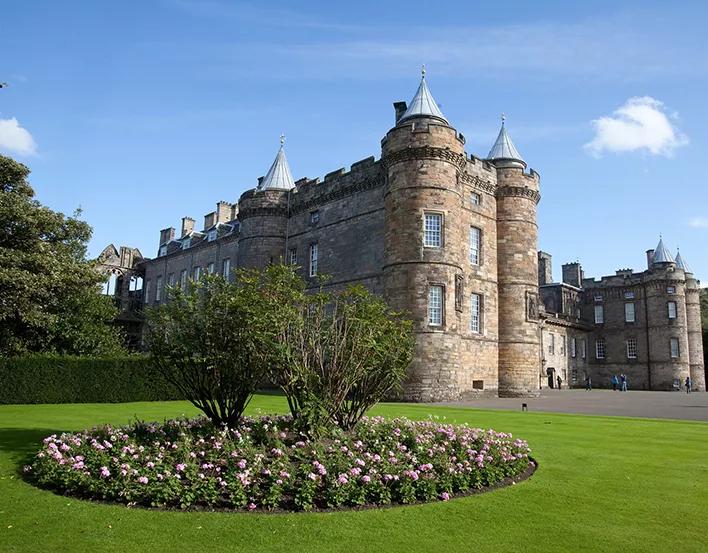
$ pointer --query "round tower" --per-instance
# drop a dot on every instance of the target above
(666, 321)
(693, 324)
(263, 214)
(425, 241)
(517, 271)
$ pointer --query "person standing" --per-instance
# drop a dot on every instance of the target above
(588, 385)
(688, 384)
(559, 380)
(623, 378)
(615, 381)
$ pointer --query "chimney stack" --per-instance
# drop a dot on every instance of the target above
(223, 212)
(545, 268)
(187, 226)
(166, 235)
(400, 108)
(650, 259)
(209, 220)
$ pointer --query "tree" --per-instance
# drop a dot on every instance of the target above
(50, 294)
(205, 340)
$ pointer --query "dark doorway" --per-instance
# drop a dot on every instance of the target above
(551, 380)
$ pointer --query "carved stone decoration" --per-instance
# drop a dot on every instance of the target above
(459, 291)
(425, 152)
(510, 191)
(531, 306)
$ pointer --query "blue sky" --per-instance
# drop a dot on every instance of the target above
(142, 112)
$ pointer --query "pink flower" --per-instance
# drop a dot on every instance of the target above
(366, 478)
(105, 473)
(312, 476)
(143, 479)
(252, 506)
(445, 496)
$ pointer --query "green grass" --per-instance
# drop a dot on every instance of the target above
(603, 484)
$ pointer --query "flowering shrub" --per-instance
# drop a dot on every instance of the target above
(263, 464)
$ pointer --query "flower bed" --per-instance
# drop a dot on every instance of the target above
(264, 464)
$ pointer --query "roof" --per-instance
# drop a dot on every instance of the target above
(681, 264)
(504, 148)
(278, 176)
(662, 253)
(423, 104)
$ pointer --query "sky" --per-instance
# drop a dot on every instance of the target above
(142, 112)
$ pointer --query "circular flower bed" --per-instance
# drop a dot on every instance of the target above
(264, 464)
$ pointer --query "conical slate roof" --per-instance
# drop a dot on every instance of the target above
(278, 176)
(681, 264)
(423, 105)
(504, 148)
(662, 253)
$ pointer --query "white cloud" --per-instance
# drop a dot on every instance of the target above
(698, 222)
(641, 124)
(15, 139)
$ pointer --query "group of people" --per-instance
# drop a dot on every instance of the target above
(616, 381)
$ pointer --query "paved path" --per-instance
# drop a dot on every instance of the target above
(655, 405)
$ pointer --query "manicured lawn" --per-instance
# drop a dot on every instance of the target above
(603, 484)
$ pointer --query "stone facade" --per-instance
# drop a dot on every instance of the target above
(447, 236)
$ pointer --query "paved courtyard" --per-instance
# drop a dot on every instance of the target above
(656, 405)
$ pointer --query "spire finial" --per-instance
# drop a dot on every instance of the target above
(282, 139)
(661, 236)
(422, 71)
(503, 118)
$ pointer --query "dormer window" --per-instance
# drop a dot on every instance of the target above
(211, 236)
(186, 242)
(163, 251)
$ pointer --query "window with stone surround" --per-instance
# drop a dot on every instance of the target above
(671, 289)
(599, 298)
(314, 253)
(583, 348)
(186, 242)
(672, 310)
(573, 346)
(432, 237)
(210, 268)
(475, 242)
(675, 347)
(197, 273)
(162, 252)
(171, 280)
(475, 198)
(183, 278)
(629, 295)
(600, 349)
(158, 288)
(211, 236)
(631, 348)
(629, 312)
(551, 343)
(146, 292)
(315, 217)
(293, 256)
(435, 305)
(476, 312)
(226, 268)
(599, 314)
(562, 345)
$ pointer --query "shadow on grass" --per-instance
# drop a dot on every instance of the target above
(21, 444)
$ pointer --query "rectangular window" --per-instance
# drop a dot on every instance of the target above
(435, 306)
(671, 289)
(146, 292)
(475, 310)
(599, 314)
(313, 259)
(551, 343)
(672, 310)
(631, 348)
(293, 256)
(197, 273)
(210, 268)
(171, 280)
(598, 298)
(474, 198)
(183, 278)
(629, 312)
(315, 217)
(572, 347)
(163, 251)
(226, 268)
(158, 289)
(211, 236)
(562, 345)
(186, 242)
(475, 234)
(432, 237)
(583, 348)
(674, 347)
(600, 349)
(629, 295)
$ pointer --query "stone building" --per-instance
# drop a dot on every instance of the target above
(447, 236)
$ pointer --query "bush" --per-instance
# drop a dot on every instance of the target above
(262, 463)
(59, 379)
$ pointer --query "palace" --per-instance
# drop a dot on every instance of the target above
(452, 239)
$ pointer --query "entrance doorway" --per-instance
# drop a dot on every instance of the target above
(551, 377)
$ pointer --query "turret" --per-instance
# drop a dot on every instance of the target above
(426, 242)
(517, 266)
(263, 213)
(693, 324)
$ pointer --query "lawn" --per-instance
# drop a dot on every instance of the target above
(603, 484)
